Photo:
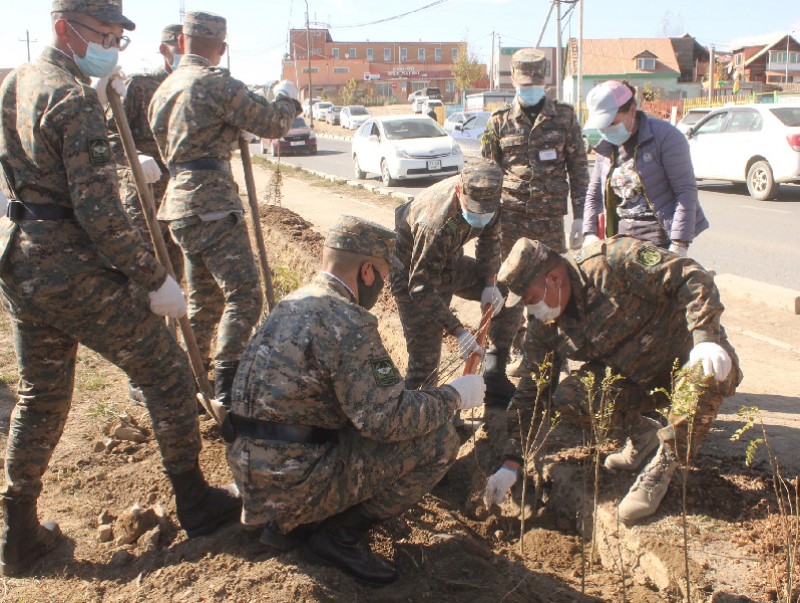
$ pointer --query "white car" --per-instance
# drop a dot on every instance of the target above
(691, 117)
(418, 103)
(404, 147)
(319, 108)
(756, 144)
(353, 116)
(415, 94)
(467, 124)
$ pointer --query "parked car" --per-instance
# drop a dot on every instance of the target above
(691, 117)
(404, 147)
(433, 93)
(467, 124)
(418, 103)
(353, 116)
(308, 104)
(299, 139)
(755, 144)
(332, 114)
(415, 94)
(319, 108)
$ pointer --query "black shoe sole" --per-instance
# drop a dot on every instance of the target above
(213, 526)
(316, 559)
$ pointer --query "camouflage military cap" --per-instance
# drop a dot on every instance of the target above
(482, 183)
(169, 35)
(520, 268)
(528, 66)
(362, 237)
(109, 11)
(204, 25)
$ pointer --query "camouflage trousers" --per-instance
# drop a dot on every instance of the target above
(515, 225)
(690, 414)
(103, 311)
(423, 334)
(224, 284)
(129, 195)
(294, 484)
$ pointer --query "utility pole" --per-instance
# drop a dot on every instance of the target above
(786, 78)
(544, 25)
(308, 51)
(711, 62)
(557, 66)
(491, 67)
(28, 41)
(579, 100)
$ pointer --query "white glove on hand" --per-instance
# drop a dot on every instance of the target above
(285, 88)
(679, 250)
(576, 234)
(467, 345)
(472, 390)
(498, 486)
(152, 173)
(168, 300)
(590, 239)
(117, 79)
(714, 358)
(491, 295)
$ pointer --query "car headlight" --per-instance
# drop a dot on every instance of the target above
(402, 154)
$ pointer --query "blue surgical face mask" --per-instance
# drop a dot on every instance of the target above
(175, 60)
(476, 220)
(98, 62)
(617, 134)
(530, 95)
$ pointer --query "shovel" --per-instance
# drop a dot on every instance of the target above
(206, 395)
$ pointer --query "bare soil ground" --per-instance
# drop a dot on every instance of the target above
(443, 551)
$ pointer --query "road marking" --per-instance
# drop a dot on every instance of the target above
(775, 211)
(774, 342)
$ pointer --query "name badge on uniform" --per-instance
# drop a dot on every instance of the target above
(548, 155)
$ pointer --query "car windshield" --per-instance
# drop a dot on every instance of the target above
(358, 111)
(299, 122)
(336, 108)
(789, 116)
(693, 117)
(417, 128)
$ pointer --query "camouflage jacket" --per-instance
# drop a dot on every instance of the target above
(431, 234)
(54, 150)
(139, 91)
(197, 113)
(537, 157)
(635, 308)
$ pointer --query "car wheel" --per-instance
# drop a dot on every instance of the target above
(760, 183)
(386, 176)
(357, 171)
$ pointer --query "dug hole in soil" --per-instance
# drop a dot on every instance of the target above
(443, 548)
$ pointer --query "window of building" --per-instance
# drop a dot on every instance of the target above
(383, 89)
(352, 53)
(646, 64)
(341, 69)
(547, 68)
(387, 55)
(335, 52)
(454, 54)
(780, 57)
(421, 54)
(370, 56)
(313, 70)
(738, 59)
(404, 54)
(437, 55)
(449, 86)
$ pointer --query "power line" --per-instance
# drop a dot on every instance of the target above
(395, 17)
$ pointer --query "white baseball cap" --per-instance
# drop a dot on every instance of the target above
(604, 101)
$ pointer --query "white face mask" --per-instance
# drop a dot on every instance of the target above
(541, 311)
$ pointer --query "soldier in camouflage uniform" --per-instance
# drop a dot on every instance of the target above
(628, 305)
(324, 439)
(538, 143)
(430, 265)
(73, 269)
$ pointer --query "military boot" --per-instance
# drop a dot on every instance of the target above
(24, 539)
(638, 447)
(499, 388)
(275, 538)
(340, 541)
(201, 508)
(647, 492)
(224, 374)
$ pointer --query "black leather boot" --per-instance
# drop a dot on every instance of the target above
(499, 388)
(24, 539)
(224, 373)
(340, 541)
(201, 508)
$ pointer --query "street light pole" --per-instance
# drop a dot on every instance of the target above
(786, 65)
(308, 51)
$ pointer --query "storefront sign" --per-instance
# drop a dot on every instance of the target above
(403, 71)
(368, 77)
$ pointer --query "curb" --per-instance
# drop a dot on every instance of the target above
(781, 298)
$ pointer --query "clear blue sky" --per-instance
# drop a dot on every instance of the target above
(257, 29)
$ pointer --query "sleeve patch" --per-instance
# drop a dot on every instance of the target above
(385, 372)
(649, 256)
(99, 151)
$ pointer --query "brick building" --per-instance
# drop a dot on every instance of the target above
(382, 69)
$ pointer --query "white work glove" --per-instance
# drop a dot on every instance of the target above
(117, 79)
(498, 485)
(285, 89)
(679, 250)
(590, 239)
(472, 390)
(491, 295)
(168, 300)
(152, 173)
(467, 345)
(714, 358)
(576, 234)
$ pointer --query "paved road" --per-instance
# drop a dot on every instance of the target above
(754, 239)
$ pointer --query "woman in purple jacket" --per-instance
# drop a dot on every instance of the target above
(643, 180)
